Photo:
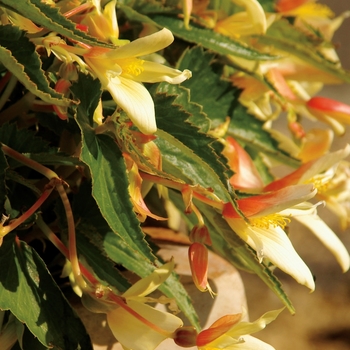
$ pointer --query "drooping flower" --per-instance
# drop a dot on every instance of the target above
(330, 111)
(122, 71)
(332, 188)
(230, 332)
(135, 324)
(263, 229)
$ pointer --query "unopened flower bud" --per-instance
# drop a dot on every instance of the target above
(185, 336)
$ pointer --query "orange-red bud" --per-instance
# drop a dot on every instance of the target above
(200, 234)
(198, 257)
(185, 336)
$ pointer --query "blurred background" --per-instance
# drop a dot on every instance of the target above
(322, 319)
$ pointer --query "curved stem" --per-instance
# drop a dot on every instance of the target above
(72, 245)
(48, 173)
(15, 223)
(63, 249)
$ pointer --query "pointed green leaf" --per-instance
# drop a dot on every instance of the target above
(29, 291)
(18, 55)
(50, 18)
(94, 234)
(108, 170)
(173, 114)
(284, 36)
(209, 39)
(219, 99)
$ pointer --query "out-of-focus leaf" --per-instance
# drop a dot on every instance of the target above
(284, 36)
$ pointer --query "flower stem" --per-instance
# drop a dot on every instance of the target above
(4, 230)
(62, 248)
(72, 245)
(29, 162)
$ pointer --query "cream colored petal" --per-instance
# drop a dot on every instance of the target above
(328, 238)
(150, 283)
(134, 334)
(276, 247)
(143, 46)
(242, 328)
(136, 101)
(154, 72)
(256, 14)
(324, 163)
(251, 343)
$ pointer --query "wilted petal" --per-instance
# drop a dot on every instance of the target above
(134, 334)
(327, 237)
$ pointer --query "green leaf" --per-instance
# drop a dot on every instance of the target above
(18, 55)
(183, 143)
(50, 18)
(30, 293)
(108, 171)
(24, 140)
(209, 39)
(97, 242)
(284, 36)
(219, 100)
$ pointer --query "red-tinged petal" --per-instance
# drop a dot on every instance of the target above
(288, 5)
(218, 328)
(338, 110)
(246, 175)
(269, 203)
(277, 79)
(316, 143)
(198, 258)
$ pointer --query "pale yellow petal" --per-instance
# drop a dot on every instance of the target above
(327, 237)
(134, 334)
(154, 72)
(150, 283)
(143, 46)
(136, 101)
(276, 247)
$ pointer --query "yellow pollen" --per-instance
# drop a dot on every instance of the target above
(320, 184)
(270, 220)
(312, 9)
(131, 66)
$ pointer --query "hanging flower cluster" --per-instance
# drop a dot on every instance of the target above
(118, 116)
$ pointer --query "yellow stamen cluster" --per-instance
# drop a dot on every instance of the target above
(312, 9)
(132, 66)
(270, 220)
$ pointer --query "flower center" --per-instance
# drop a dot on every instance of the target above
(132, 66)
(270, 220)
